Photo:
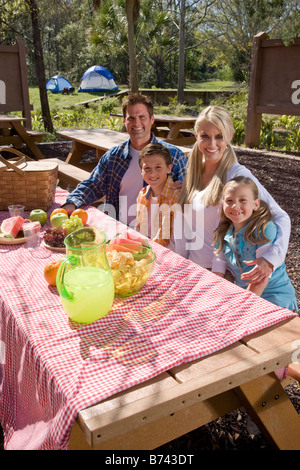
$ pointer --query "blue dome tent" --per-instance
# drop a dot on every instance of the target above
(97, 78)
(59, 84)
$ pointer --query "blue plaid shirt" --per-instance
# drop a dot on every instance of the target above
(106, 177)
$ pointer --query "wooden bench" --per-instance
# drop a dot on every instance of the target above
(187, 134)
(15, 140)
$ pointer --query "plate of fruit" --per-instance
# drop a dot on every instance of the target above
(11, 232)
(61, 226)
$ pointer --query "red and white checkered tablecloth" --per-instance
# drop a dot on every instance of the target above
(51, 368)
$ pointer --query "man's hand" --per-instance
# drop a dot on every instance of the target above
(69, 207)
(261, 271)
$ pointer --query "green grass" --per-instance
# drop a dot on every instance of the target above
(59, 100)
(212, 85)
(277, 132)
(67, 114)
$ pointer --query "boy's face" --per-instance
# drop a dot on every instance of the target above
(155, 172)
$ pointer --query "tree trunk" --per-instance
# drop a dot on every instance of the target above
(40, 67)
(160, 74)
(181, 65)
(133, 72)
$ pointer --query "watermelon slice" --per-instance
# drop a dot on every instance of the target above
(126, 243)
(117, 247)
(121, 240)
(10, 227)
(135, 237)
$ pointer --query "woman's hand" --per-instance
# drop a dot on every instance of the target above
(177, 184)
(261, 271)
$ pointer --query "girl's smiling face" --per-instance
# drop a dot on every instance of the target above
(155, 172)
(211, 141)
(239, 204)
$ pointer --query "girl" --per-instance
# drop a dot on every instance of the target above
(211, 164)
(245, 231)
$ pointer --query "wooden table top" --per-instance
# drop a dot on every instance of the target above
(102, 139)
(96, 138)
(171, 118)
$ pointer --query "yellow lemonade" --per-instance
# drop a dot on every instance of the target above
(93, 293)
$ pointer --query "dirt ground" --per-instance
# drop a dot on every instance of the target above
(280, 175)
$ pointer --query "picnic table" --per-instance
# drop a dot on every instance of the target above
(187, 397)
(177, 130)
(100, 140)
(186, 349)
(12, 132)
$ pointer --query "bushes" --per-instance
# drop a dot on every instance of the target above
(96, 114)
(281, 133)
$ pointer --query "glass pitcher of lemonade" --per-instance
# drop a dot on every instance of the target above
(84, 279)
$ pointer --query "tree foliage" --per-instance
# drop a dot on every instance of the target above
(212, 38)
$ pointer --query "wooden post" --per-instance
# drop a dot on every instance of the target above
(24, 84)
(252, 137)
(13, 75)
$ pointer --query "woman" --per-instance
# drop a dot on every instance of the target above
(211, 164)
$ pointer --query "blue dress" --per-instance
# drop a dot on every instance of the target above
(279, 290)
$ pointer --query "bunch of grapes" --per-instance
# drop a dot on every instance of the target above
(55, 237)
(73, 223)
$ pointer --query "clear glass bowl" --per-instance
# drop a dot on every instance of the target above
(130, 275)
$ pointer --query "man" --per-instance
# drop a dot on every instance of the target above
(117, 175)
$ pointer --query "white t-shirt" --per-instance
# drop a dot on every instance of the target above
(194, 231)
(131, 184)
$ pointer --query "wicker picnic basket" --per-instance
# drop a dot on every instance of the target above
(26, 181)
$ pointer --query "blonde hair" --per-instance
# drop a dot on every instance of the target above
(255, 231)
(193, 180)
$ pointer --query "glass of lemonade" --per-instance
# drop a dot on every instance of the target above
(84, 279)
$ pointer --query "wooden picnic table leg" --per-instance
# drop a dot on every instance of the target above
(27, 140)
(174, 131)
(75, 155)
(270, 407)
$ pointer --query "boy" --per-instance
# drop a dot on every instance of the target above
(117, 175)
(157, 202)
